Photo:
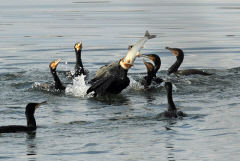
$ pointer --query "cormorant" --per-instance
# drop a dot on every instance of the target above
(113, 78)
(157, 63)
(79, 70)
(147, 80)
(180, 56)
(171, 109)
(31, 123)
(57, 83)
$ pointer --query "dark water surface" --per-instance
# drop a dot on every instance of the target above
(73, 126)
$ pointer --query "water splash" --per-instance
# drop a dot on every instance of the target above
(41, 86)
(45, 87)
(135, 85)
(174, 87)
(78, 88)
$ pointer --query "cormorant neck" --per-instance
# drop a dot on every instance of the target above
(78, 58)
(151, 74)
(58, 83)
(171, 105)
(157, 64)
(31, 121)
(149, 77)
(157, 67)
(176, 65)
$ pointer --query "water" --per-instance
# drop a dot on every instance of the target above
(74, 126)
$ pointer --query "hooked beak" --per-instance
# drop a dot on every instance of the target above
(78, 46)
(174, 52)
(40, 104)
(55, 63)
(152, 58)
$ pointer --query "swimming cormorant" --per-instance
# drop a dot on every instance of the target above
(157, 63)
(113, 78)
(180, 56)
(172, 111)
(57, 83)
(31, 123)
(147, 80)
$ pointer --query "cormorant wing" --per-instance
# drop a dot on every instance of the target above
(100, 85)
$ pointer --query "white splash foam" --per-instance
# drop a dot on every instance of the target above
(36, 84)
(174, 87)
(41, 86)
(78, 88)
(134, 84)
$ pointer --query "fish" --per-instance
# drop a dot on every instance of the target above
(134, 51)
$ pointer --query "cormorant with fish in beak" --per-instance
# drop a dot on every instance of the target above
(112, 78)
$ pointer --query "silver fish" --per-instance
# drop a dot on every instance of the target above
(134, 51)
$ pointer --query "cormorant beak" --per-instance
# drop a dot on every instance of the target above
(55, 63)
(125, 65)
(148, 65)
(40, 104)
(78, 46)
(174, 51)
(149, 57)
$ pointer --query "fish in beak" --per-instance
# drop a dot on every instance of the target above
(134, 50)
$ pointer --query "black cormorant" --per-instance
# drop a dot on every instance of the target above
(180, 56)
(147, 80)
(57, 82)
(171, 109)
(113, 78)
(31, 123)
(157, 64)
(79, 70)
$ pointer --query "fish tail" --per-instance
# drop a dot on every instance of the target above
(149, 36)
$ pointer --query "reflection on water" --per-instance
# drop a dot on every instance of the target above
(114, 100)
(170, 150)
(31, 145)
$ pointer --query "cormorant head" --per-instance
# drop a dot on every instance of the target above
(31, 107)
(53, 65)
(155, 58)
(176, 51)
(78, 46)
(149, 66)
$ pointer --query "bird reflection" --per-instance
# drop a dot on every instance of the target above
(111, 99)
(149, 98)
(170, 140)
(31, 145)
